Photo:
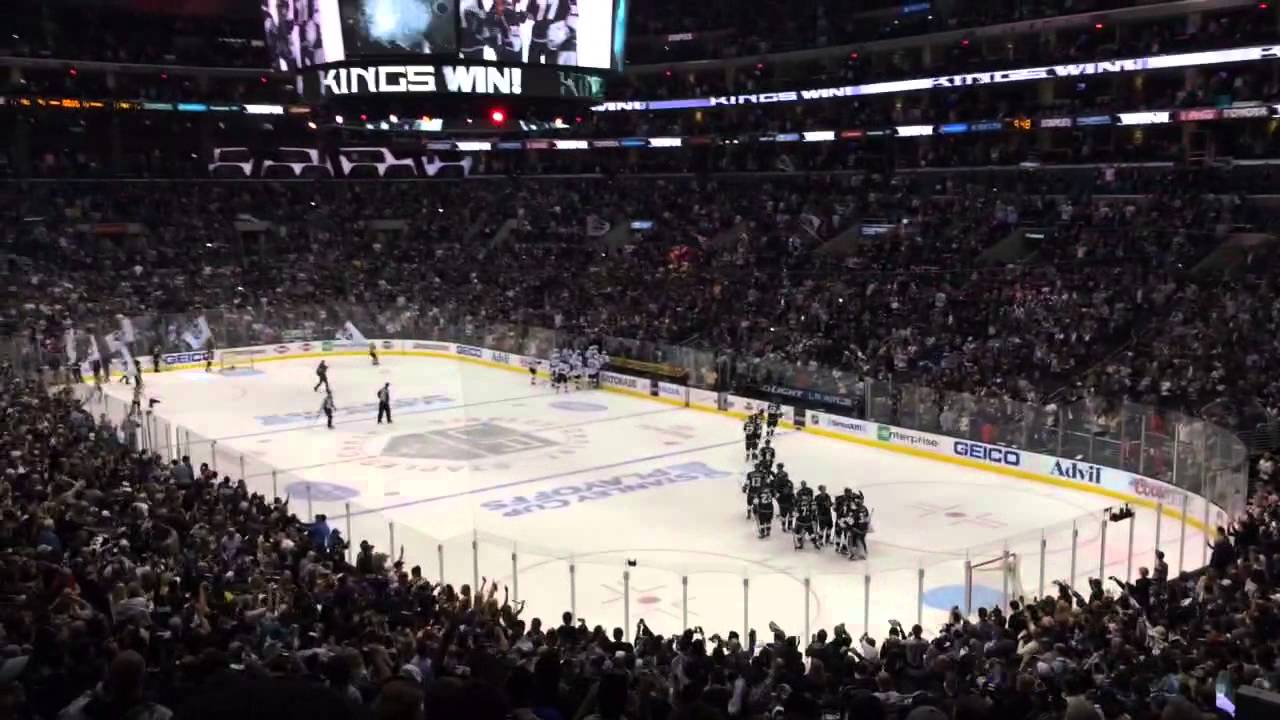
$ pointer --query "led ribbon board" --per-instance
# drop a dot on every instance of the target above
(994, 77)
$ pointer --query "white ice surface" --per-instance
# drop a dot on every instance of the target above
(565, 460)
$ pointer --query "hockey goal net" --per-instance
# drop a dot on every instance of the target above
(1002, 573)
(229, 360)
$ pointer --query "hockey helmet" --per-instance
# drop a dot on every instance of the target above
(822, 488)
(780, 466)
(803, 484)
(848, 491)
(858, 497)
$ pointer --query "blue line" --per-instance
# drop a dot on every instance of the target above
(556, 476)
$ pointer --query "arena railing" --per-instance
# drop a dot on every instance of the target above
(678, 590)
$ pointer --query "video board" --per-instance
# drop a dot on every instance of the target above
(571, 33)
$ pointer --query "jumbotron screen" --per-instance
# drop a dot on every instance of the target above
(576, 33)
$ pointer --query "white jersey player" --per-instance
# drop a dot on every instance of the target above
(575, 368)
(560, 375)
(593, 370)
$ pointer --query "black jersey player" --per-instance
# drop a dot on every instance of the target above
(860, 526)
(822, 512)
(772, 416)
(804, 526)
(767, 453)
(843, 508)
(757, 480)
(373, 353)
(786, 496)
(322, 377)
(804, 494)
(751, 433)
(780, 475)
(764, 512)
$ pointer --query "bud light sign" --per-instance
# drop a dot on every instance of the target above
(987, 453)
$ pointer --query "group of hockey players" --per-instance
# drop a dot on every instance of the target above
(816, 518)
(571, 366)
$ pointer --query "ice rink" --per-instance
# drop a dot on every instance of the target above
(483, 475)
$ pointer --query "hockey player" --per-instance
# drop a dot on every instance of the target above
(804, 495)
(751, 432)
(560, 375)
(533, 372)
(373, 354)
(576, 369)
(764, 512)
(327, 406)
(757, 481)
(786, 495)
(844, 530)
(861, 525)
(781, 476)
(155, 358)
(593, 368)
(844, 519)
(322, 373)
(822, 509)
(803, 527)
(766, 453)
(772, 417)
(844, 503)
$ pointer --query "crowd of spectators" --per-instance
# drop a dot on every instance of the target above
(864, 275)
(721, 28)
(212, 34)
